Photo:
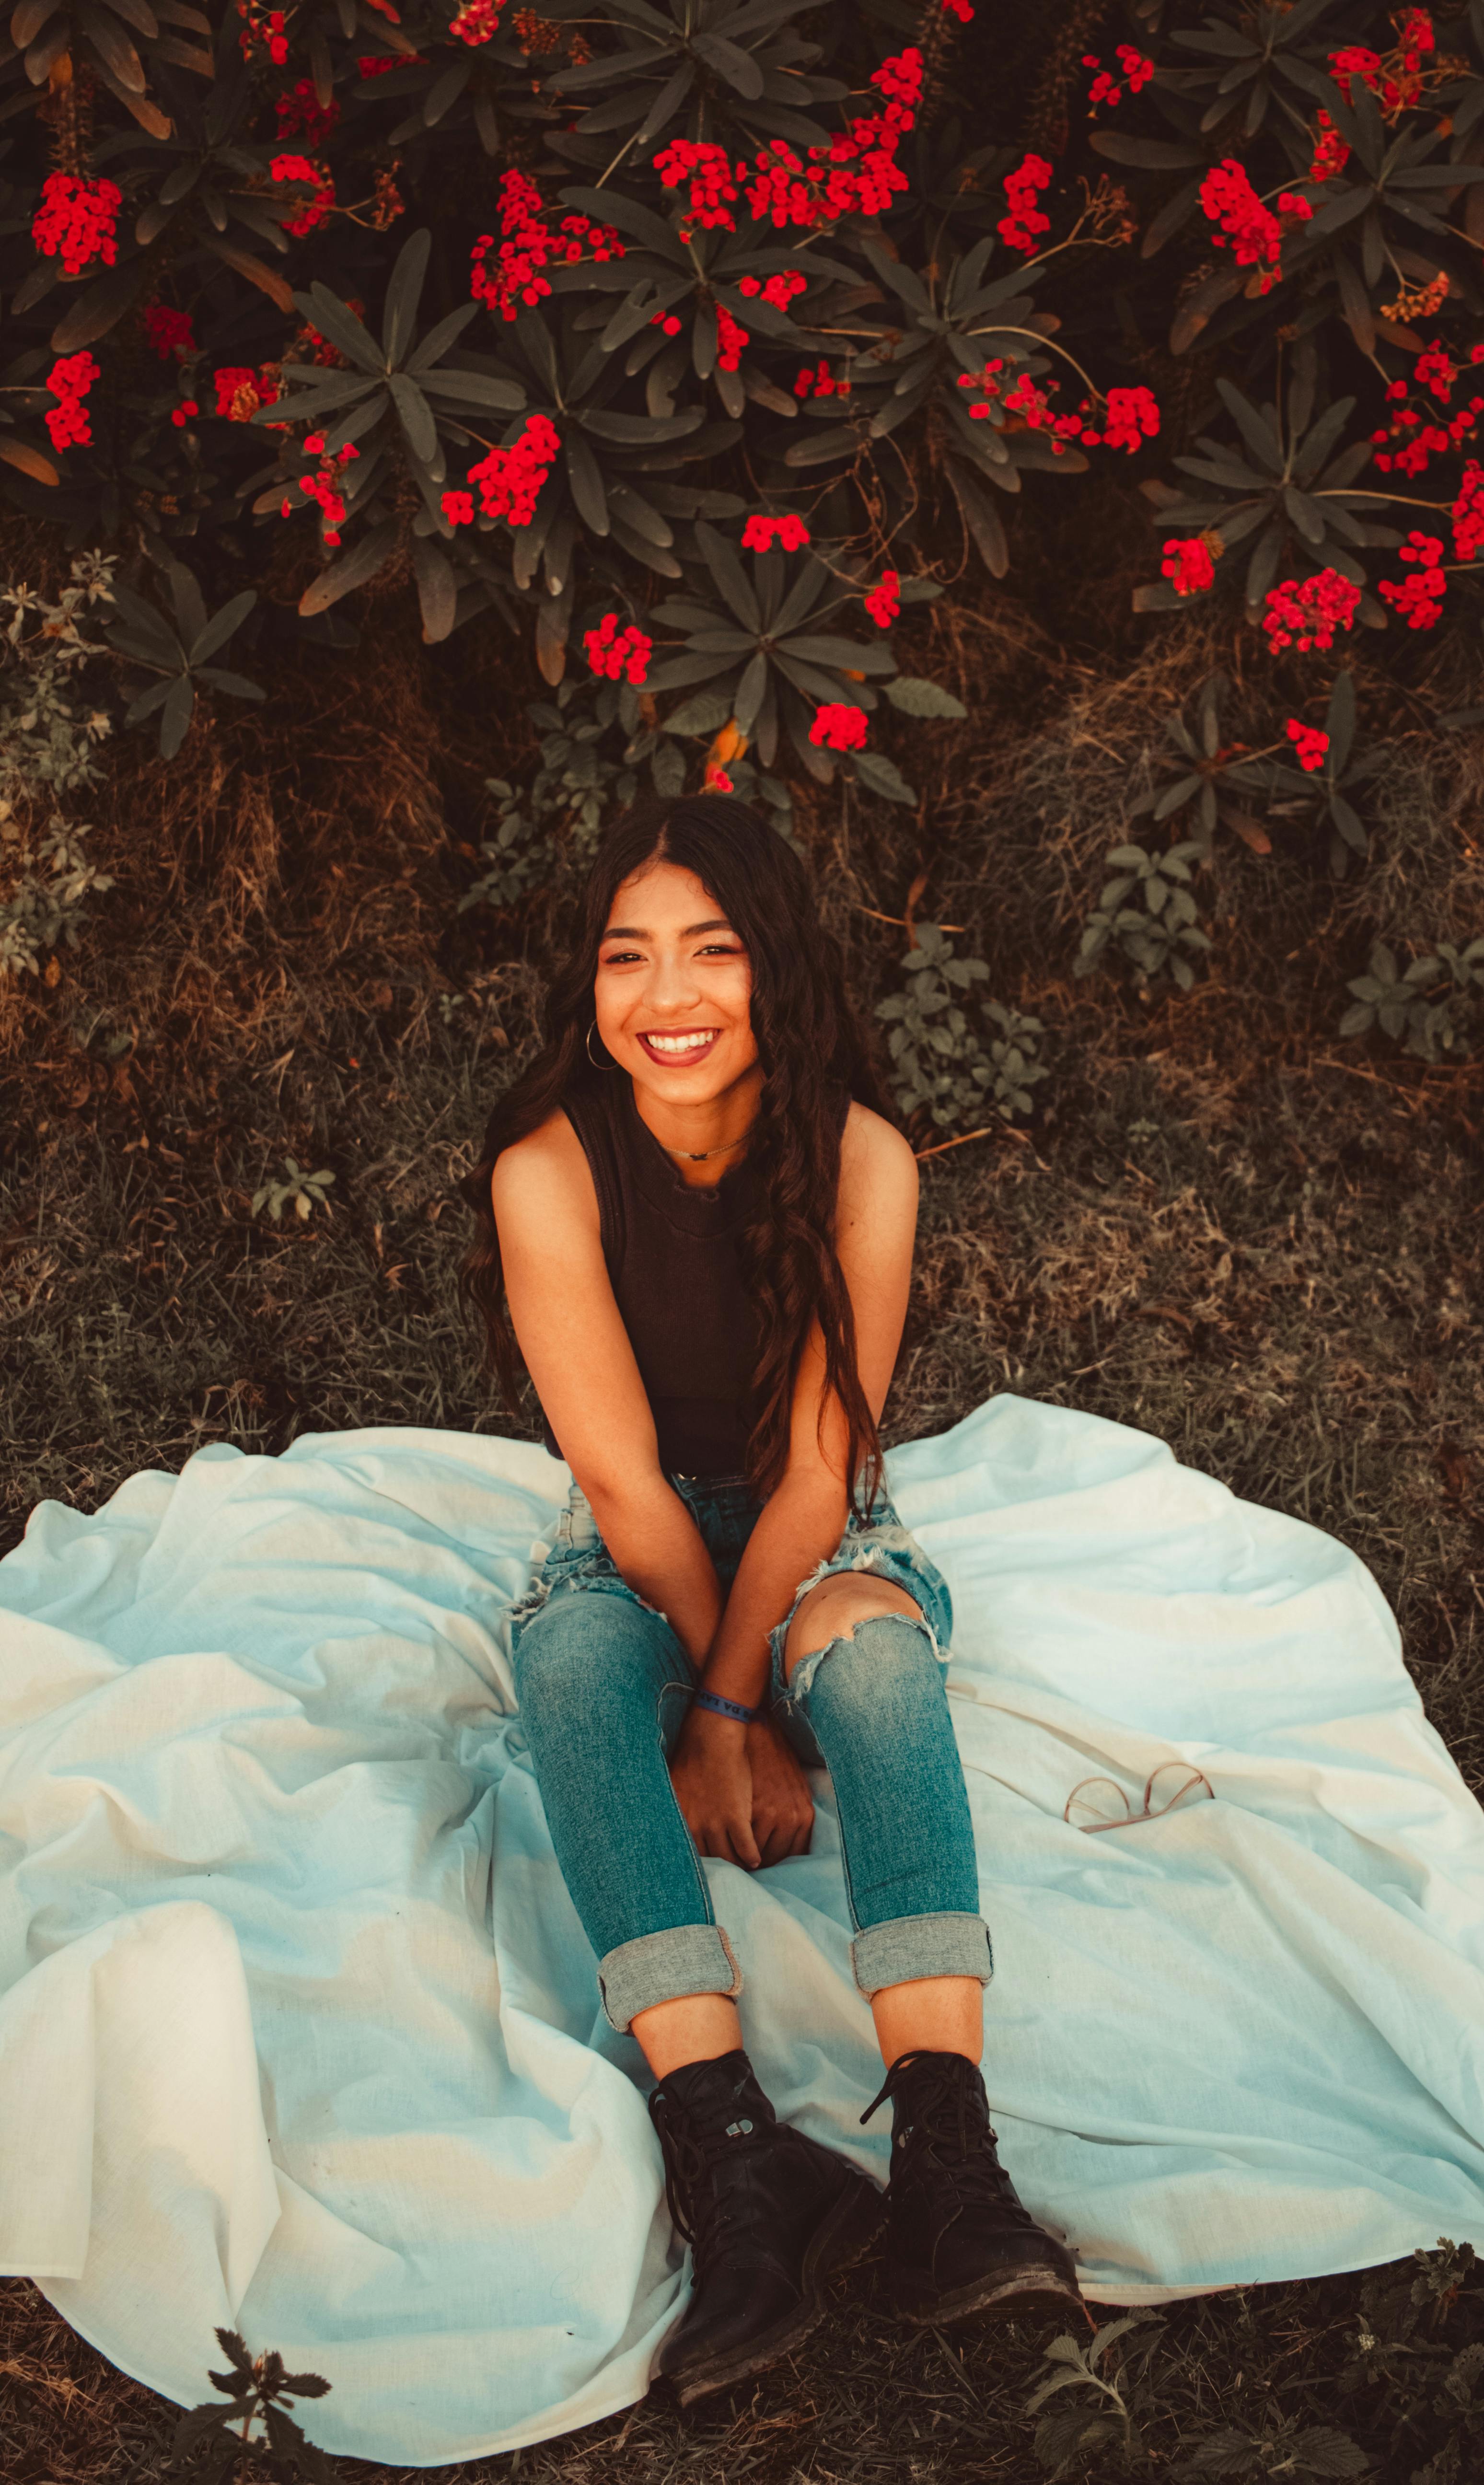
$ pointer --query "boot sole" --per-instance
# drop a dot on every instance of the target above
(841, 2238)
(1005, 2295)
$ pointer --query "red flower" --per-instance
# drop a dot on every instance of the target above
(883, 603)
(458, 509)
(301, 114)
(1132, 417)
(730, 338)
(1024, 220)
(241, 392)
(77, 219)
(708, 170)
(316, 210)
(168, 332)
(510, 479)
(70, 381)
(525, 245)
(476, 21)
(1309, 745)
(959, 8)
(1468, 514)
(779, 289)
(1418, 599)
(1330, 153)
(758, 533)
(1309, 613)
(837, 727)
(184, 413)
(1187, 564)
(617, 654)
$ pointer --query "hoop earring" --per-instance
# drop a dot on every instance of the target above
(597, 1065)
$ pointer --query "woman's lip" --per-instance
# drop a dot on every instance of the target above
(679, 1060)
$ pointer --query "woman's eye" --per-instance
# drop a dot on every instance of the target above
(622, 958)
(718, 949)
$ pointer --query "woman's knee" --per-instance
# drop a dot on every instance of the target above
(834, 1609)
(584, 1643)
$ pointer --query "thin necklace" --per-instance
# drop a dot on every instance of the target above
(699, 1156)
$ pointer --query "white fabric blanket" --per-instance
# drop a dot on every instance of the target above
(299, 2032)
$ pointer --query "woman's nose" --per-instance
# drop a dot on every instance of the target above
(673, 983)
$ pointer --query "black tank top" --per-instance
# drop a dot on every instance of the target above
(673, 1256)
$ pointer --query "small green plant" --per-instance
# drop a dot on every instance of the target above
(1069, 2434)
(1207, 776)
(942, 1066)
(210, 2439)
(1157, 932)
(1342, 773)
(1420, 2348)
(306, 1191)
(178, 651)
(48, 738)
(1312, 2450)
(1415, 1004)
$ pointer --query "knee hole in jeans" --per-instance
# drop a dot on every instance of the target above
(833, 1611)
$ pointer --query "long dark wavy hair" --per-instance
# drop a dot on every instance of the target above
(811, 1042)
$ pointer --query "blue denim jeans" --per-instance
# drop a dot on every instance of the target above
(604, 1685)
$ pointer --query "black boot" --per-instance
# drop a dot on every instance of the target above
(958, 2238)
(769, 2215)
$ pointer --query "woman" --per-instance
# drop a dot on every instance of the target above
(702, 1224)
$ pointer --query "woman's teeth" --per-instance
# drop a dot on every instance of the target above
(681, 1043)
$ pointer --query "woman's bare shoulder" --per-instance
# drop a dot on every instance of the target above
(878, 1174)
(543, 1173)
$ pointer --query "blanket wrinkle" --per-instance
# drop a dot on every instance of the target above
(300, 2034)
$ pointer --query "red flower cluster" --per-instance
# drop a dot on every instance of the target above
(525, 245)
(1132, 417)
(1423, 439)
(476, 21)
(1308, 616)
(899, 79)
(1024, 220)
(617, 654)
(324, 485)
(315, 211)
(1468, 514)
(168, 332)
(79, 219)
(1397, 78)
(1187, 564)
(819, 382)
(837, 727)
(959, 8)
(708, 170)
(1254, 233)
(668, 322)
(377, 64)
(1418, 600)
(730, 338)
(1105, 87)
(758, 533)
(779, 289)
(508, 480)
(302, 115)
(1309, 745)
(70, 381)
(241, 392)
(1330, 153)
(883, 603)
(184, 413)
(265, 27)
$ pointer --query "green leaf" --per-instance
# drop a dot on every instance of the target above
(404, 289)
(881, 775)
(352, 569)
(917, 698)
(219, 629)
(706, 713)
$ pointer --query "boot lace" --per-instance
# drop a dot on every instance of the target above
(949, 2140)
(692, 2160)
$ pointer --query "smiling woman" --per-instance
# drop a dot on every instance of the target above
(695, 1224)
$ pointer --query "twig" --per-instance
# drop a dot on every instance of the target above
(902, 920)
(922, 1154)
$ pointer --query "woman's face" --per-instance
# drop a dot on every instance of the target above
(674, 988)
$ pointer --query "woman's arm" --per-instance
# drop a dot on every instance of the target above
(802, 1522)
(576, 1349)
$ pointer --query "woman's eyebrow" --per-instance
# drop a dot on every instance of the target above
(631, 932)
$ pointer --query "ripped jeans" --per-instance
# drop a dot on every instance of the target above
(604, 1685)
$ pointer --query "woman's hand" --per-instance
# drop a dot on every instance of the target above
(743, 1796)
(782, 1807)
(711, 1773)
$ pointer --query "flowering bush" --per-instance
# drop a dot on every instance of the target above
(705, 341)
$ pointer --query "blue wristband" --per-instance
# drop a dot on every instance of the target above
(721, 1708)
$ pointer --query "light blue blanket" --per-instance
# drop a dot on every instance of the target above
(299, 2033)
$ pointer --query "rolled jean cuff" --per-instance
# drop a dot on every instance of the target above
(909, 1947)
(666, 1967)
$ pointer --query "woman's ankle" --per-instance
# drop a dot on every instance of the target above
(693, 2028)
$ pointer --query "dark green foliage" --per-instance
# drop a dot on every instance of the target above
(210, 2441)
